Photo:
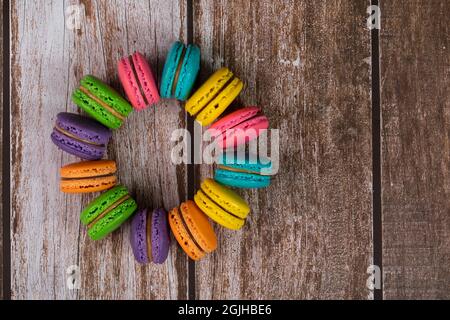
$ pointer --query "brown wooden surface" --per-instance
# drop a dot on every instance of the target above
(307, 63)
(304, 63)
(415, 66)
(47, 63)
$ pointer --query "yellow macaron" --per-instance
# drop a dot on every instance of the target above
(214, 96)
(222, 204)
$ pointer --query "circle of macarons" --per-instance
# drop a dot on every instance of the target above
(189, 223)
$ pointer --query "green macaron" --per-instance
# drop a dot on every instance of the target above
(107, 212)
(101, 102)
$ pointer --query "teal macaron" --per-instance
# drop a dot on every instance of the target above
(245, 172)
(107, 212)
(180, 71)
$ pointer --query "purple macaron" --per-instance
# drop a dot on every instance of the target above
(150, 236)
(81, 136)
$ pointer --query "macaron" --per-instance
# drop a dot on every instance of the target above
(192, 230)
(243, 171)
(138, 81)
(149, 237)
(239, 127)
(101, 102)
(80, 136)
(214, 96)
(88, 176)
(107, 212)
(222, 204)
(180, 71)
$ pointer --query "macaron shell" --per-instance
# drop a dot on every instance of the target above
(225, 198)
(101, 203)
(188, 73)
(95, 110)
(86, 169)
(106, 94)
(199, 226)
(218, 105)
(249, 162)
(160, 236)
(83, 127)
(241, 179)
(182, 236)
(244, 132)
(146, 78)
(112, 220)
(208, 90)
(130, 84)
(170, 67)
(216, 213)
(88, 185)
(234, 118)
(77, 148)
(138, 236)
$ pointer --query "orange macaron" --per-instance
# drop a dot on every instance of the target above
(191, 228)
(88, 176)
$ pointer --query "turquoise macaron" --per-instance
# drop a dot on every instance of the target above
(180, 71)
(245, 172)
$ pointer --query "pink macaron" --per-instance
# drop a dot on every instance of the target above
(239, 127)
(138, 81)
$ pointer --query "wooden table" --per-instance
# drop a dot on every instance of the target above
(364, 120)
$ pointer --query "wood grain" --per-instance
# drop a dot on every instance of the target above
(47, 63)
(415, 76)
(306, 63)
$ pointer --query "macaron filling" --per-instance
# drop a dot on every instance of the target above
(178, 70)
(108, 210)
(148, 233)
(220, 166)
(138, 81)
(95, 177)
(101, 103)
(70, 135)
(191, 236)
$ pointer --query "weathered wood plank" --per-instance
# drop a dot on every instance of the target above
(306, 63)
(48, 62)
(415, 78)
